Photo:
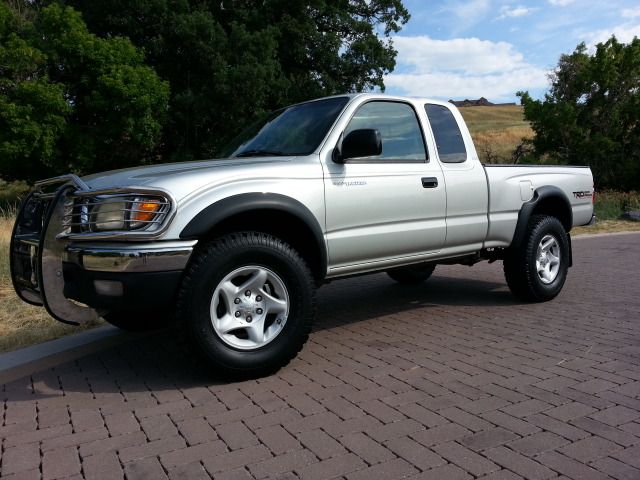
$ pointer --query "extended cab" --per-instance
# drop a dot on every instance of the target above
(234, 249)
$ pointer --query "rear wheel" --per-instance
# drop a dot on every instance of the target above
(536, 270)
(247, 304)
(412, 274)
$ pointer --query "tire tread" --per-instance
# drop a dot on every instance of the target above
(521, 279)
(218, 248)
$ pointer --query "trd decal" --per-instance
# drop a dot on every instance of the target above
(583, 194)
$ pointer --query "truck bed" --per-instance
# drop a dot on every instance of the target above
(510, 185)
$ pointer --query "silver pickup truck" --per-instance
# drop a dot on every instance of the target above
(234, 249)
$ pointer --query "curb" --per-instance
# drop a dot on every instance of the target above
(29, 360)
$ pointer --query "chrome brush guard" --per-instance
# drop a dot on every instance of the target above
(36, 252)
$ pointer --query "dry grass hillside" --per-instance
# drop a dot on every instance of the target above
(496, 131)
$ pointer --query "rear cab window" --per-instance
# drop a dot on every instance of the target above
(449, 141)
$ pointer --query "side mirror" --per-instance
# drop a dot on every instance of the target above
(365, 142)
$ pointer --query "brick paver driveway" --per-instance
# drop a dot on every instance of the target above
(450, 380)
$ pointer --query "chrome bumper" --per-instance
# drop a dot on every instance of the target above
(130, 258)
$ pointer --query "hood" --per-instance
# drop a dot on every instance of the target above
(178, 178)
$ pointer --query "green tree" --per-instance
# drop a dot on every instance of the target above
(591, 115)
(32, 108)
(70, 100)
(228, 61)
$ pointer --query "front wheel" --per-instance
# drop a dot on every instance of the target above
(536, 270)
(247, 304)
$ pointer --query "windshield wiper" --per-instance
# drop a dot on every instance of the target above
(261, 153)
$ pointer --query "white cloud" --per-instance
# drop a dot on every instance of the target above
(467, 55)
(462, 68)
(506, 11)
(624, 33)
(497, 88)
(561, 3)
(631, 12)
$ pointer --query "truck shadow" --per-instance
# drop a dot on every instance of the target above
(371, 296)
(158, 363)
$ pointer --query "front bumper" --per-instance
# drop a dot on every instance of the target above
(50, 270)
(130, 257)
(124, 277)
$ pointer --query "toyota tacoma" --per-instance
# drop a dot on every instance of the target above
(234, 249)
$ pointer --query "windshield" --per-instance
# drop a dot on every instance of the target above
(295, 130)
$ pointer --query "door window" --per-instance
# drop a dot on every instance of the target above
(402, 140)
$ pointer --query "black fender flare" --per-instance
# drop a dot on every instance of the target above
(527, 209)
(209, 217)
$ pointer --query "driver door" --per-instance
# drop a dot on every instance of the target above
(390, 207)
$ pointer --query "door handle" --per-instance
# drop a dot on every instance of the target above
(429, 182)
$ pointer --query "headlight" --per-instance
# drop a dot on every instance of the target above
(126, 213)
(117, 212)
(134, 213)
(109, 214)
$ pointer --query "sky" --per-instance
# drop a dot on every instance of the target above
(457, 49)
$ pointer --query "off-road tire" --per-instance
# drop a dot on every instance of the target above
(211, 264)
(520, 269)
(412, 274)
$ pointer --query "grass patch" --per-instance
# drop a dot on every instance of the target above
(607, 226)
(611, 205)
(22, 324)
(11, 193)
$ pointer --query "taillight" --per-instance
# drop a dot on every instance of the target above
(593, 196)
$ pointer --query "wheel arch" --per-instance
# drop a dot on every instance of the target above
(272, 213)
(546, 200)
